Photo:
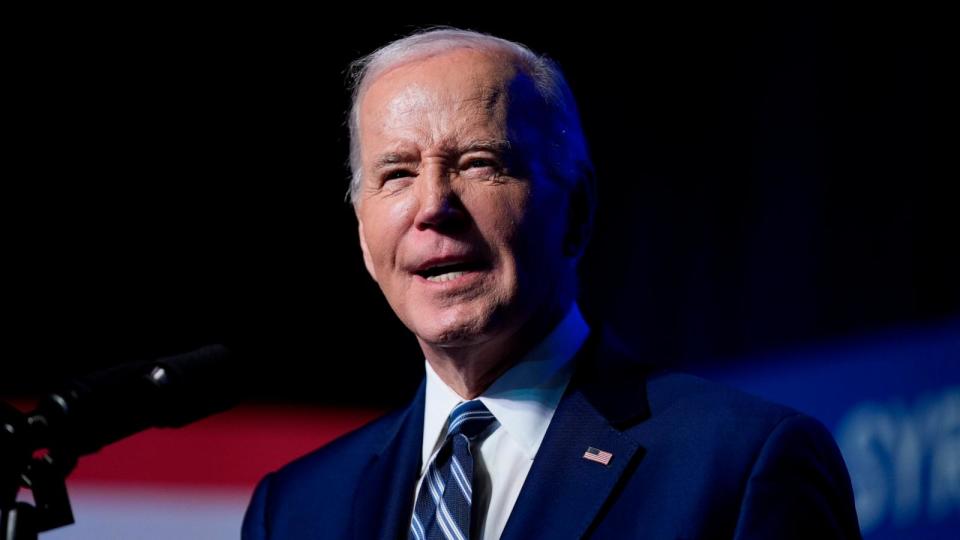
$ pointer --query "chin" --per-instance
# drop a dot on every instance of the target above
(452, 330)
(449, 335)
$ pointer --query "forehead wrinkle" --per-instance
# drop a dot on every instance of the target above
(488, 98)
(484, 112)
(492, 101)
(445, 119)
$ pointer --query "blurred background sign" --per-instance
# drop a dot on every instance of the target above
(892, 402)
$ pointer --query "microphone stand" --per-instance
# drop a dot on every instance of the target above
(39, 449)
(27, 461)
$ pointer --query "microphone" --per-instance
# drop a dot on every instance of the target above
(101, 408)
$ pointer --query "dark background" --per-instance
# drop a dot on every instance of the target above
(769, 177)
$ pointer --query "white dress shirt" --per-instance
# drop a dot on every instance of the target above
(523, 401)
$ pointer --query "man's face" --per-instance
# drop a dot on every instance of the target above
(459, 224)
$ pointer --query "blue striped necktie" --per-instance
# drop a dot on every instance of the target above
(442, 510)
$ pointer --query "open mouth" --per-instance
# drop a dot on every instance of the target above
(448, 272)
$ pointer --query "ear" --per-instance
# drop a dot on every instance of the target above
(583, 201)
(367, 260)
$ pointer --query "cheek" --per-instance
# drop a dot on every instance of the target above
(384, 230)
(401, 211)
(502, 212)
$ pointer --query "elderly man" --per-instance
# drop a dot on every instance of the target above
(474, 196)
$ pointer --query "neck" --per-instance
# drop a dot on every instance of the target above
(471, 369)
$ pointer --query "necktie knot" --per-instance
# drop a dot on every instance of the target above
(470, 418)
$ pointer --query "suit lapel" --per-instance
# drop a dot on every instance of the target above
(564, 493)
(383, 502)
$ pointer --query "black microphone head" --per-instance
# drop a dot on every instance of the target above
(196, 384)
(106, 406)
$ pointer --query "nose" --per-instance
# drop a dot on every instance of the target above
(440, 207)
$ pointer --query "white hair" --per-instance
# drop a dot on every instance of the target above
(568, 159)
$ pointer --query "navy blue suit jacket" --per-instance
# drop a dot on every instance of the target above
(691, 459)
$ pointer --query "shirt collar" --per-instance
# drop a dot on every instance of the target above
(523, 399)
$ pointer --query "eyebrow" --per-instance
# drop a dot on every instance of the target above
(392, 158)
(495, 146)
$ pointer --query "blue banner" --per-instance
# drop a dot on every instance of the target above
(893, 404)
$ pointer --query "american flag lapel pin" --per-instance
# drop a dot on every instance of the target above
(600, 456)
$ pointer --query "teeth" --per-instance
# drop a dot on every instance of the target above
(445, 277)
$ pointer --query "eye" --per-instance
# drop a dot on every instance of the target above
(397, 173)
(476, 163)
(481, 168)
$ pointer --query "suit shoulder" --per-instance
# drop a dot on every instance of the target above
(312, 495)
(673, 398)
(344, 457)
(688, 399)
(672, 386)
